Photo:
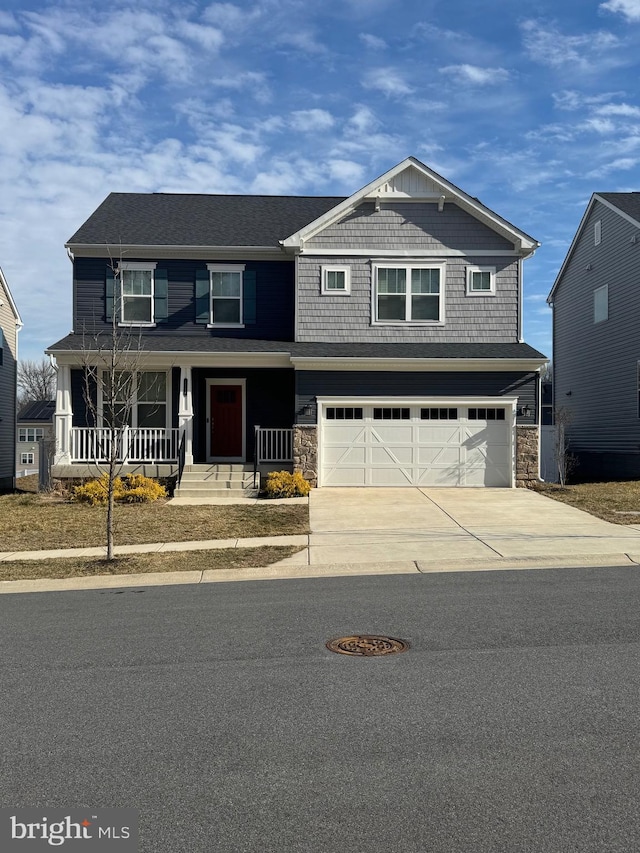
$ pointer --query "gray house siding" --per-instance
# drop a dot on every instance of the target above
(8, 368)
(274, 309)
(311, 384)
(596, 364)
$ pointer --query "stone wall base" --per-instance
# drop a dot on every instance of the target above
(527, 461)
(305, 451)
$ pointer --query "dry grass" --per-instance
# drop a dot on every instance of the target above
(610, 501)
(37, 522)
(182, 561)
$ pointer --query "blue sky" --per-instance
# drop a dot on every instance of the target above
(529, 108)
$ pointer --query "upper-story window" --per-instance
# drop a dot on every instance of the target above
(481, 281)
(137, 293)
(226, 294)
(336, 280)
(408, 293)
(30, 433)
(597, 232)
(601, 303)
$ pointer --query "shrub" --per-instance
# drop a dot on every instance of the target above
(133, 488)
(282, 484)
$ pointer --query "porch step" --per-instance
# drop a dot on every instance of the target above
(227, 480)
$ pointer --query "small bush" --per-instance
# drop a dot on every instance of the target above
(282, 484)
(133, 488)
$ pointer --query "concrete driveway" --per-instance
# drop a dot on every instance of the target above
(427, 526)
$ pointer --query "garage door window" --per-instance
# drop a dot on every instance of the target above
(389, 414)
(344, 413)
(486, 414)
(438, 414)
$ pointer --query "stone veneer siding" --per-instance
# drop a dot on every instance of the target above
(527, 462)
(305, 451)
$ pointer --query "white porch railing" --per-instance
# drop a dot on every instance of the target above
(274, 445)
(149, 444)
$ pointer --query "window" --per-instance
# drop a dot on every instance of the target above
(601, 303)
(409, 294)
(26, 458)
(438, 414)
(136, 293)
(597, 232)
(342, 413)
(481, 281)
(336, 280)
(389, 414)
(30, 433)
(486, 414)
(137, 399)
(226, 294)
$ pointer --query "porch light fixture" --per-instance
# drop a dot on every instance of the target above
(306, 410)
(524, 412)
(185, 386)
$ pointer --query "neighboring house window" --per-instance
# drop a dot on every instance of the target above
(597, 232)
(601, 303)
(137, 293)
(138, 399)
(412, 293)
(30, 433)
(336, 280)
(226, 294)
(26, 459)
(481, 281)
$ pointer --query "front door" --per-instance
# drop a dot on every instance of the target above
(225, 421)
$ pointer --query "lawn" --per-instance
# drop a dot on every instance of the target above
(36, 522)
(618, 502)
(182, 561)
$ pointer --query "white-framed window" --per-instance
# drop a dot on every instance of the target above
(597, 232)
(136, 286)
(26, 458)
(226, 294)
(481, 281)
(30, 433)
(138, 399)
(336, 280)
(408, 293)
(601, 303)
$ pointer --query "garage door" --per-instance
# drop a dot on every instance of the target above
(415, 445)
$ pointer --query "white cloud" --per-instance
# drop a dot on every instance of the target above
(630, 9)
(571, 100)
(389, 81)
(548, 46)
(374, 42)
(308, 121)
(303, 41)
(7, 21)
(626, 110)
(621, 164)
(349, 173)
(603, 126)
(363, 120)
(475, 75)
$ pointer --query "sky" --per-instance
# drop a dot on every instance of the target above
(529, 108)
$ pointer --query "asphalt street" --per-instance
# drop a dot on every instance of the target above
(511, 724)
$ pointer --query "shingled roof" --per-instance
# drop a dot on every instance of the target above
(628, 203)
(165, 219)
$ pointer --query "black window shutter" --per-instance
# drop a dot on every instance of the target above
(109, 295)
(202, 296)
(249, 297)
(160, 296)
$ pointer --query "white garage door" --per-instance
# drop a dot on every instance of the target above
(415, 445)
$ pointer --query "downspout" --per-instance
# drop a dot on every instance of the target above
(520, 300)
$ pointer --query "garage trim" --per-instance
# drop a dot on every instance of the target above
(508, 403)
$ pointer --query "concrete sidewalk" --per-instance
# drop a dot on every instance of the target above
(373, 531)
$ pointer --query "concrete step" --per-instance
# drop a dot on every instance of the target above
(215, 493)
(217, 484)
(216, 476)
(214, 467)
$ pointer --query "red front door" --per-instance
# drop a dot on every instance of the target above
(225, 421)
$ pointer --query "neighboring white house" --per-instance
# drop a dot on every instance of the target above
(35, 423)
(10, 324)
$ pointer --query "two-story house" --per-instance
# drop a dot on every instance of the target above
(374, 340)
(596, 356)
(10, 325)
(35, 433)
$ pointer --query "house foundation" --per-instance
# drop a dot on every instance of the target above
(305, 451)
(527, 455)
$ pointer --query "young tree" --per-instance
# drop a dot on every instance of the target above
(565, 461)
(36, 381)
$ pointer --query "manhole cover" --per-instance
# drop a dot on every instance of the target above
(365, 644)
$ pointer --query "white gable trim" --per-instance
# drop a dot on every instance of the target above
(391, 185)
(12, 304)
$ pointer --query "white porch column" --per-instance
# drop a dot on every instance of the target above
(185, 413)
(63, 417)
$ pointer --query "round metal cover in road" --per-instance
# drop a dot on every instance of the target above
(367, 645)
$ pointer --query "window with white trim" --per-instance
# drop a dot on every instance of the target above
(26, 458)
(30, 433)
(336, 280)
(137, 400)
(136, 293)
(597, 232)
(409, 293)
(601, 303)
(481, 281)
(226, 294)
